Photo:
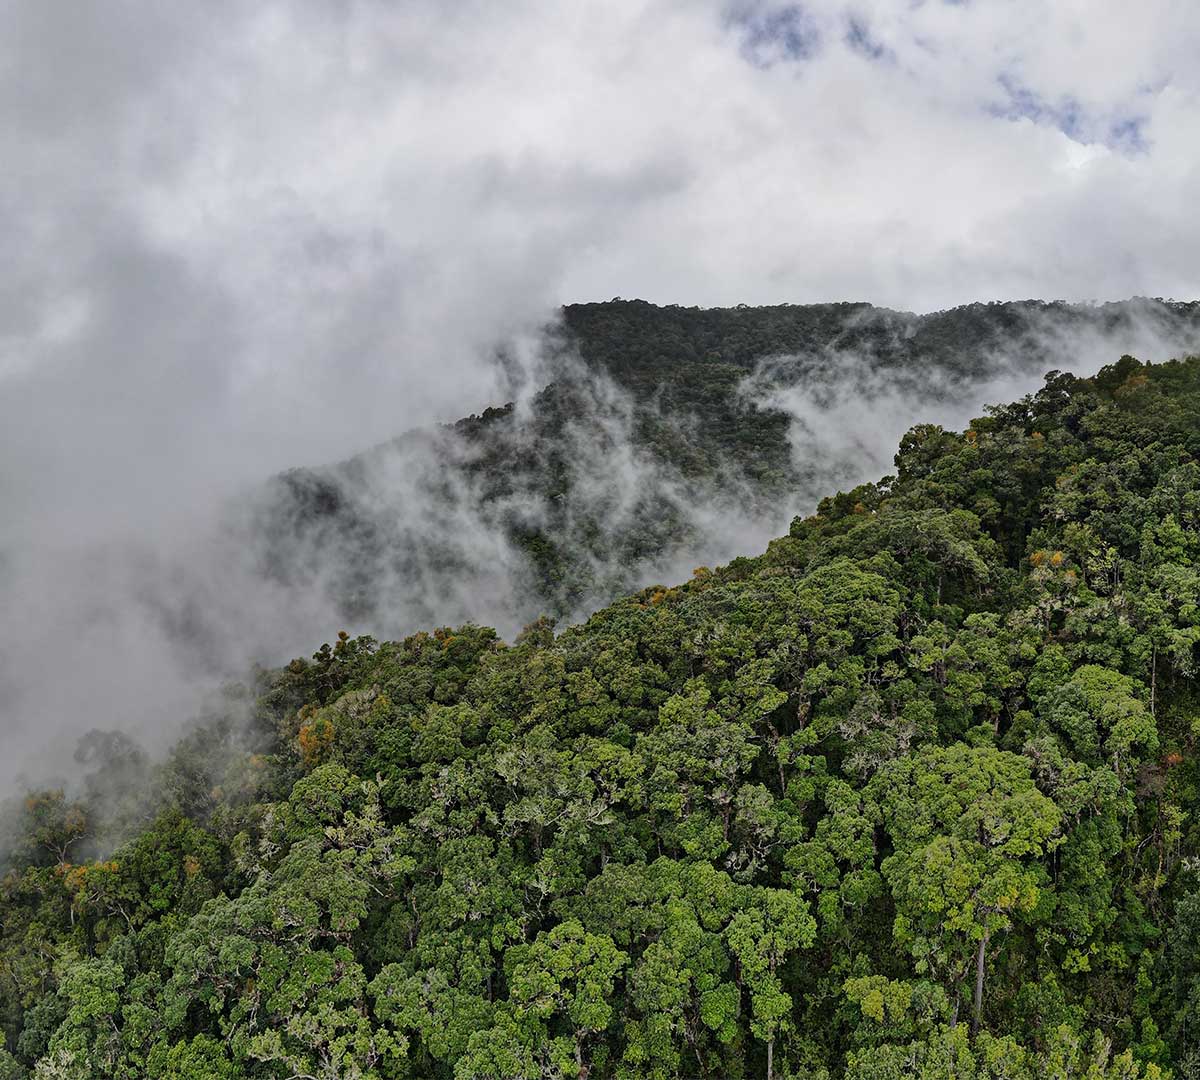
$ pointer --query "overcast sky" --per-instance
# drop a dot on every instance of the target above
(240, 236)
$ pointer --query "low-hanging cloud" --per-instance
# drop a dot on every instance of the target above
(133, 632)
(241, 238)
(849, 406)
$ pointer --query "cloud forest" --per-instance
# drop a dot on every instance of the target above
(911, 793)
(644, 540)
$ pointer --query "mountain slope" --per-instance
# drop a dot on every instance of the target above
(910, 794)
(666, 437)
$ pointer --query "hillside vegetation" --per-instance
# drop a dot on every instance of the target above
(593, 487)
(911, 794)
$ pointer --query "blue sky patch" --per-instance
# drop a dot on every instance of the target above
(1129, 135)
(1122, 132)
(860, 39)
(775, 33)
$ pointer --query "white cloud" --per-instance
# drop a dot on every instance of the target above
(243, 236)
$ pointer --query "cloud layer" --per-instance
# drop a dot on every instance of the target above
(243, 237)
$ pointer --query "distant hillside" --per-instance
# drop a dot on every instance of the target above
(662, 440)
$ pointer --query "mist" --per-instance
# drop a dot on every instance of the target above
(242, 240)
(848, 408)
(137, 631)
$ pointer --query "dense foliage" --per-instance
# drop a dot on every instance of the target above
(912, 794)
(659, 395)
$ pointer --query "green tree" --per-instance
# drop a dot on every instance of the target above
(969, 828)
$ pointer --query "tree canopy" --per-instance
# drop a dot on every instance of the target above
(911, 794)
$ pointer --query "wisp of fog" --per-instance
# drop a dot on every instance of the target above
(134, 630)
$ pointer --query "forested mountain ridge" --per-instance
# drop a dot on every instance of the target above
(911, 794)
(682, 406)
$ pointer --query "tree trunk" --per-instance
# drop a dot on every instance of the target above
(979, 985)
(770, 1058)
(1153, 677)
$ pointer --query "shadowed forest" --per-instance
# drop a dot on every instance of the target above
(663, 433)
